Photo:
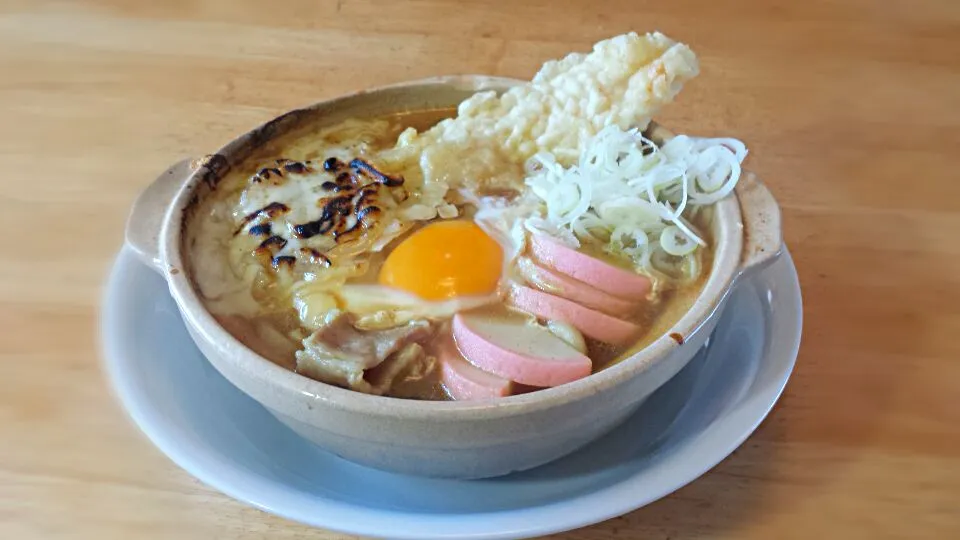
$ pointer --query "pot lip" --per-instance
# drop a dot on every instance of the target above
(283, 386)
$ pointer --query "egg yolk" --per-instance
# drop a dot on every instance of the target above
(444, 260)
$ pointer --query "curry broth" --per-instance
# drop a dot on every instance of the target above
(276, 333)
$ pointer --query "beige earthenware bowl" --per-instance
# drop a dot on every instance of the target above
(445, 439)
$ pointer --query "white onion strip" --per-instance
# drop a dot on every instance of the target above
(621, 177)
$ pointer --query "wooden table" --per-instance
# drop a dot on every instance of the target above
(852, 113)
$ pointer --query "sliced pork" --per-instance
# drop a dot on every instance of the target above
(338, 353)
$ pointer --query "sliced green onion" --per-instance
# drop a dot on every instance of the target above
(625, 190)
(675, 242)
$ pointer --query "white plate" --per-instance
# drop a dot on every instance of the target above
(230, 442)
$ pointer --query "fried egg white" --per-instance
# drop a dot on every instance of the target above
(444, 267)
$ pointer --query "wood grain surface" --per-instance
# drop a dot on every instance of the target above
(852, 113)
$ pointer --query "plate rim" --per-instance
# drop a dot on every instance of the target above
(356, 519)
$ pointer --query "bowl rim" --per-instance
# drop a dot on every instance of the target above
(726, 268)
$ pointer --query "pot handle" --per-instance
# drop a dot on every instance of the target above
(150, 208)
(762, 237)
